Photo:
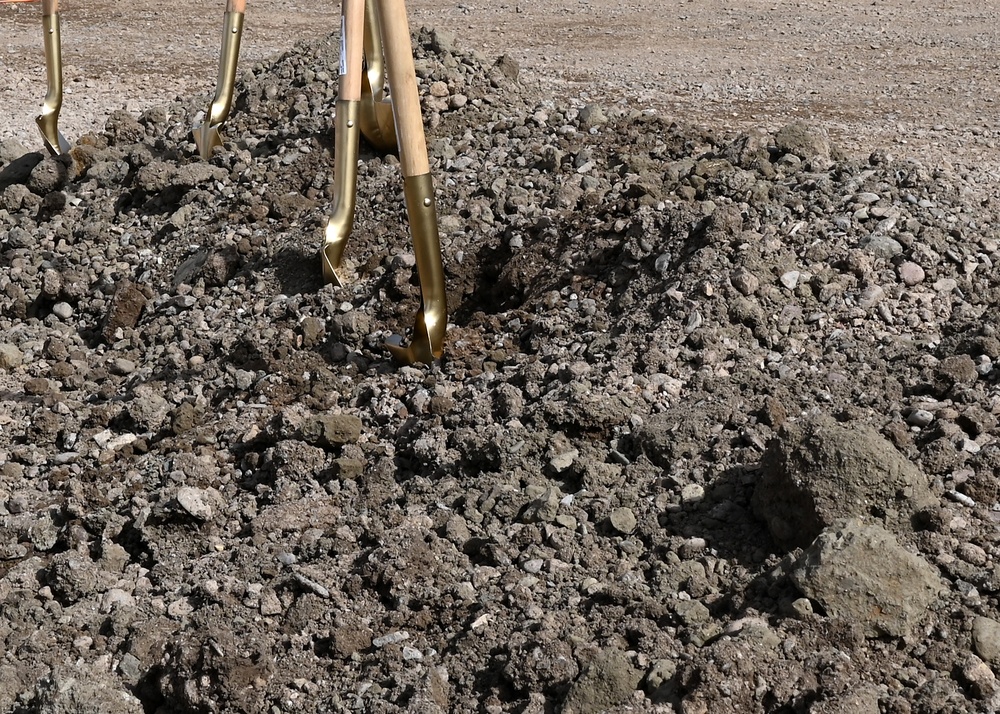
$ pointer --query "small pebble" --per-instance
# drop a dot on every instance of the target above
(623, 520)
(790, 279)
(910, 273)
(391, 638)
(692, 492)
(62, 310)
(920, 418)
(193, 501)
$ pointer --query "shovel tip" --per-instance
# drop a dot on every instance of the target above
(206, 138)
(418, 351)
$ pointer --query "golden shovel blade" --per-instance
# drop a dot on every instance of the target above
(207, 136)
(377, 122)
(427, 343)
(47, 123)
(345, 188)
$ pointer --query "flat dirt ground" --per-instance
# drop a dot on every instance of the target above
(917, 78)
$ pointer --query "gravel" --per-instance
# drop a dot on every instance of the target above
(669, 345)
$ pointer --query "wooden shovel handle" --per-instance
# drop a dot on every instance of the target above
(352, 47)
(403, 85)
(50, 7)
(236, 5)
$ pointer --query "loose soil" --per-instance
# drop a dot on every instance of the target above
(716, 425)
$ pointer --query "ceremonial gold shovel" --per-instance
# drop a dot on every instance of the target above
(377, 124)
(48, 120)
(418, 188)
(346, 134)
(207, 136)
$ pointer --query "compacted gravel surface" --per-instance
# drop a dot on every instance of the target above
(715, 429)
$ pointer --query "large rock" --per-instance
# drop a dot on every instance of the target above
(803, 140)
(10, 356)
(986, 639)
(17, 171)
(124, 310)
(860, 573)
(863, 700)
(818, 471)
(609, 680)
(84, 689)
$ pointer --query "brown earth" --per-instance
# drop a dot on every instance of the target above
(717, 427)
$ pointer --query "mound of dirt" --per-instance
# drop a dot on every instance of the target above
(220, 495)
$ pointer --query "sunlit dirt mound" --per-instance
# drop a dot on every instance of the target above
(219, 494)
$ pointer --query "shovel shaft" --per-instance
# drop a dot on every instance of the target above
(403, 82)
(377, 124)
(351, 49)
(374, 56)
(232, 32)
(48, 119)
(236, 5)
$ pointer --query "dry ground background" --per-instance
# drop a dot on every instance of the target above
(921, 77)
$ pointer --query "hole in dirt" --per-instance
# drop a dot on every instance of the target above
(296, 270)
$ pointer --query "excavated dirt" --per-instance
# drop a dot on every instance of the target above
(715, 429)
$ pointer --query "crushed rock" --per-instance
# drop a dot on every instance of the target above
(219, 491)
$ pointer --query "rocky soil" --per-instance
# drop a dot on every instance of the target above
(715, 430)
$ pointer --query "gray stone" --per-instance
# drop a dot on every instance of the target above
(51, 174)
(148, 408)
(920, 417)
(13, 197)
(72, 576)
(122, 366)
(197, 502)
(592, 116)
(860, 573)
(790, 279)
(544, 508)
(803, 140)
(108, 173)
(84, 689)
(623, 520)
(818, 471)
(745, 281)
(11, 150)
(10, 356)
(862, 700)
(981, 681)
(911, 273)
(986, 639)
(508, 67)
(44, 533)
(882, 246)
(442, 41)
(609, 680)
(328, 430)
